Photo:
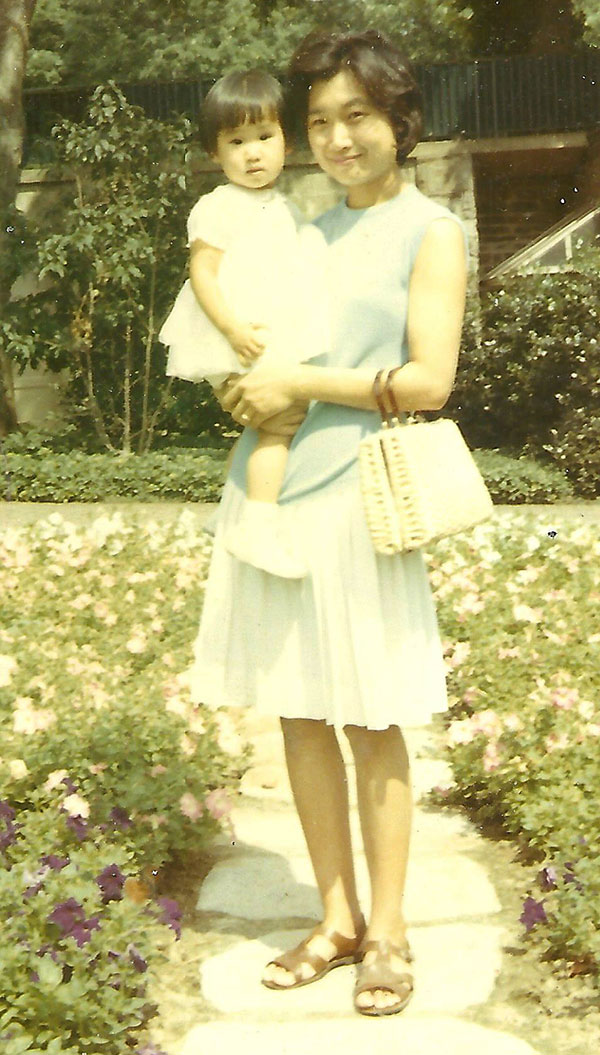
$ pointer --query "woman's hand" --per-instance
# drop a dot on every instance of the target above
(257, 397)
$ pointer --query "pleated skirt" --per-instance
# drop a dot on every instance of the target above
(354, 643)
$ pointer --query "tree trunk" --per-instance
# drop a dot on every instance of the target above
(15, 19)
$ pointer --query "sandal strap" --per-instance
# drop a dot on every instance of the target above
(385, 949)
(296, 958)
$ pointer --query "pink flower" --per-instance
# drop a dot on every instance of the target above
(491, 757)
(556, 742)
(190, 807)
(218, 803)
(488, 723)
(564, 699)
(157, 770)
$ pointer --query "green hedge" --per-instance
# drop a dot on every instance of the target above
(197, 476)
(187, 475)
(529, 372)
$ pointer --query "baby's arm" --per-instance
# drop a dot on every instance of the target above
(246, 338)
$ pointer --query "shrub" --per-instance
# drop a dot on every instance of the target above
(109, 264)
(39, 474)
(521, 480)
(77, 951)
(531, 381)
(180, 475)
(518, 606)
(107, 772)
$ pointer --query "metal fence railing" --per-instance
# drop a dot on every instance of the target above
(483, 99)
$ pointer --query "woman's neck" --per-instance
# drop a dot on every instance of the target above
(376, 192)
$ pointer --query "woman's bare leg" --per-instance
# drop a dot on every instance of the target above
(385, 808)
(318, 779)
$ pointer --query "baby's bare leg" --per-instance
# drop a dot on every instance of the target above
(260, 536)
(266, 467)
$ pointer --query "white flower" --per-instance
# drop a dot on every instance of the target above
(18, 769)
(76, 806)
(524, 614)
(55, 779)
(8, 665)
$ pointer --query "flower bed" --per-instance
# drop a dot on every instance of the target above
(107, 770)
(518, 604)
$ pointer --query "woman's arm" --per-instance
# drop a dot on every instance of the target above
(246, 338)
(435, 313)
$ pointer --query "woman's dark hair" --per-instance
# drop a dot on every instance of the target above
(385, 74)
(240, 96)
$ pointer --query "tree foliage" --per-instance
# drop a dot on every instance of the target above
(108, 266)
(503, 27)
(167, 39)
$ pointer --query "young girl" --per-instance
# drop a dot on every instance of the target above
(255, 291)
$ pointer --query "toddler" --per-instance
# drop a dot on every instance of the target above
(256, 290)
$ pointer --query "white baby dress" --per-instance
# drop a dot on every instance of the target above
(272, 273)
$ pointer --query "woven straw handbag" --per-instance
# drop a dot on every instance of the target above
(419, 481)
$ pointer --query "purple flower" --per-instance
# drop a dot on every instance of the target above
(170, 914)
(120, 817)
(548, 878)
(137, 959)
(54, 862)
(79, 827)
(570, 877)
(33, 890)
(67, 915)
(533, 912)
(8, 836)
(111, 881)
(82, 932)
(48, 950)
(70, 786)
(6, 812)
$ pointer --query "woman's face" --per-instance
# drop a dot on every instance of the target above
(351, 139)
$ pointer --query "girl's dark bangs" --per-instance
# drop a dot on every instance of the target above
(248, 111)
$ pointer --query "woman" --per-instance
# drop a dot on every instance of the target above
(354, 645)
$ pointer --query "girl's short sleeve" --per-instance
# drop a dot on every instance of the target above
(213, 220)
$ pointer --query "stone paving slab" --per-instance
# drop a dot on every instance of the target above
(473, 950)
(421, 1035)
(279, 831)
(255, 886)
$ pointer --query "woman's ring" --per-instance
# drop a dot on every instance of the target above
(244, 417)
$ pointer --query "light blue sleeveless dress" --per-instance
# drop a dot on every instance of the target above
(356, 641)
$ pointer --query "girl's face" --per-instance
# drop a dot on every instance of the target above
(252, 154)
(352, 140)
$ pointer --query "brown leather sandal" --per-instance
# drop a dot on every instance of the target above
(381, 975)
(348, 950)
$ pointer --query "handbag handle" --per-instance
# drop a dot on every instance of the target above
(382, 390)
